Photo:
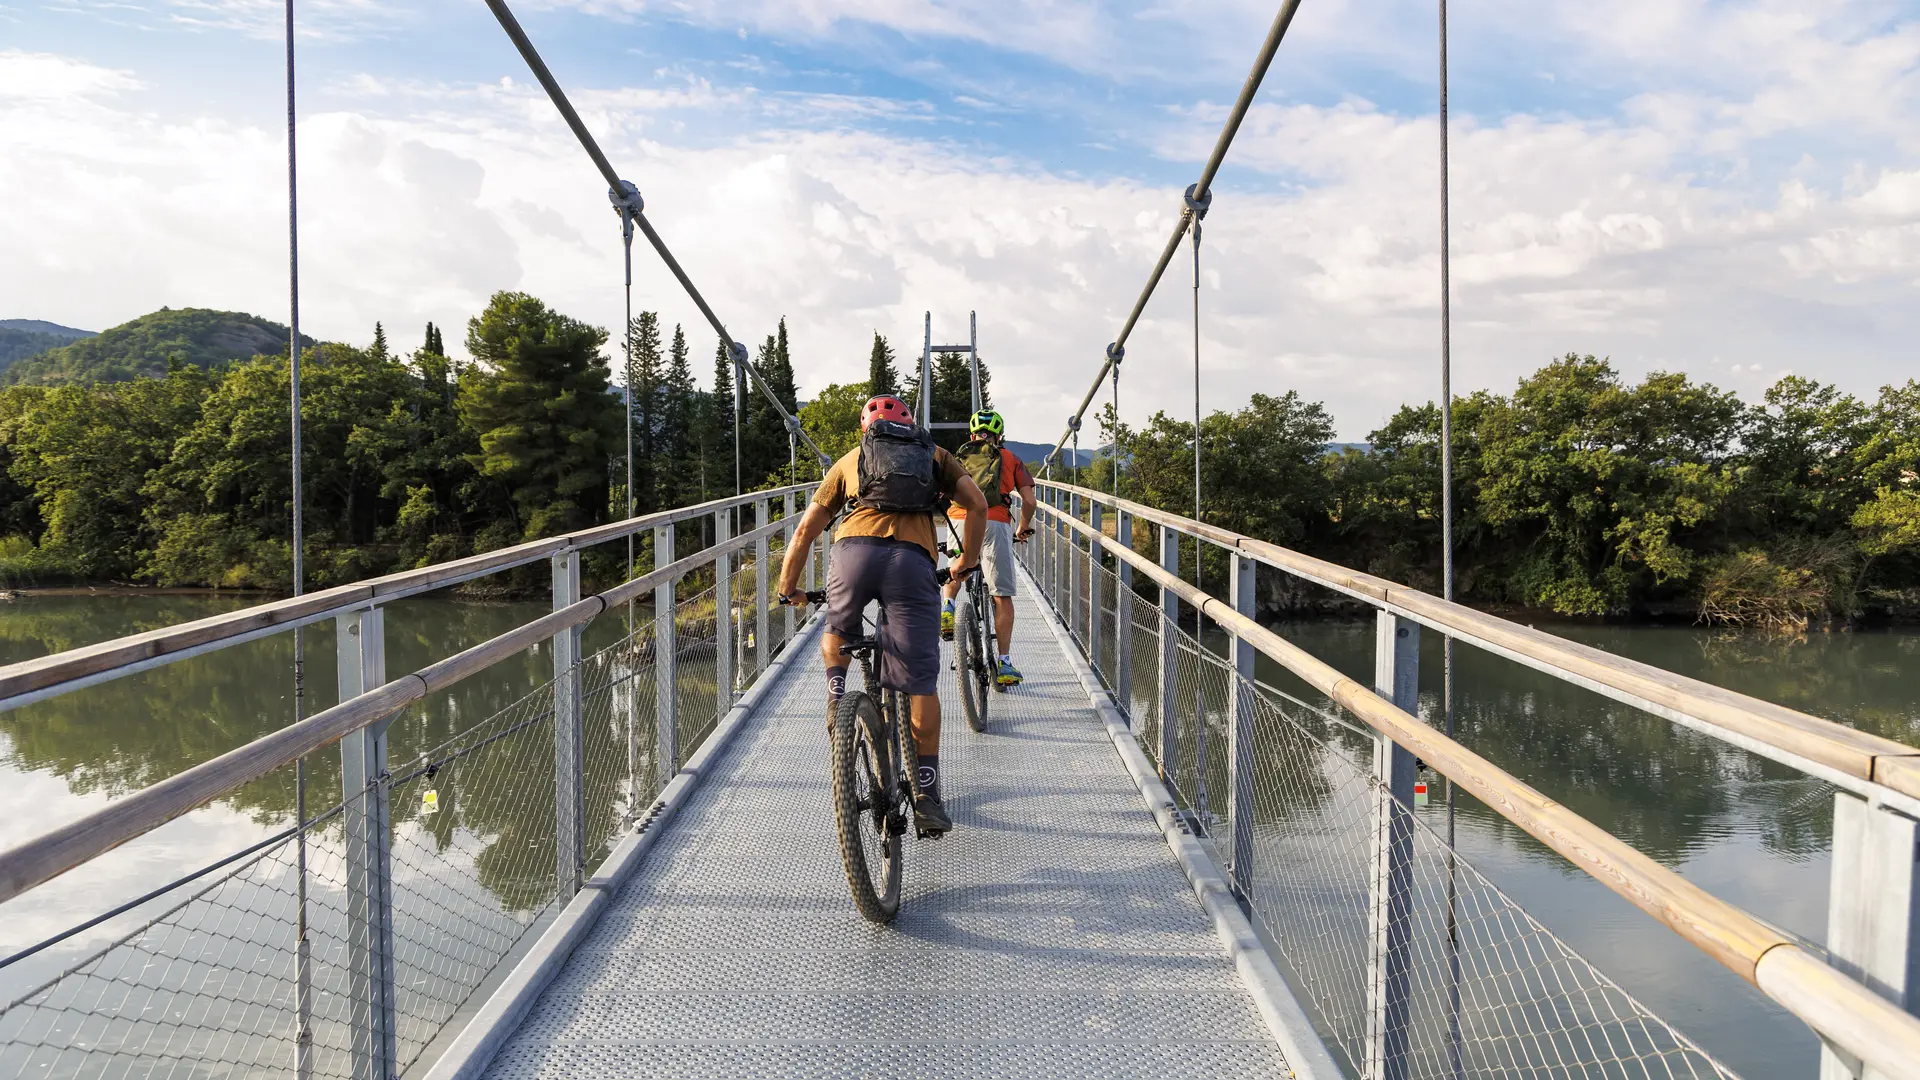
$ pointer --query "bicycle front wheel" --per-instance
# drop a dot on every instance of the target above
(970, 667)
(866, 808)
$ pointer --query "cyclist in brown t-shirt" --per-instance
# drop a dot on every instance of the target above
(889, 556)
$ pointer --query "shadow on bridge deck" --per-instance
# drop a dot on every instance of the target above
(1051, 934)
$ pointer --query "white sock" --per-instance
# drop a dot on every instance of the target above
(1006, 658)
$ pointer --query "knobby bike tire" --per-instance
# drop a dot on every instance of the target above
(870, 834)
(968, 666)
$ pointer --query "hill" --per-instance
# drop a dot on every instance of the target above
(42, 326)
(1031, 452)
(144, 346)
(21, 338)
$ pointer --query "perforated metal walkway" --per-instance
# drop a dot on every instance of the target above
(1051, 934)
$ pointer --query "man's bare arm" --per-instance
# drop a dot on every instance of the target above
(812, 524)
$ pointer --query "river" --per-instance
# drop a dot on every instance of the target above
(1751, 832)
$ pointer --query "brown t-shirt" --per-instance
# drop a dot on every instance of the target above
(842, 486)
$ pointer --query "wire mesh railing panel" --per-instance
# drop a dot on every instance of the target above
(1143, 622)
(209, 987)
(1414, 962)
(696, 672)
(473, 861)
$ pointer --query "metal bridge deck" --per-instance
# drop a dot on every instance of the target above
(1051, 934)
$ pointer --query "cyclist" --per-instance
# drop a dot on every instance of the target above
(999, 473)
(886, 550)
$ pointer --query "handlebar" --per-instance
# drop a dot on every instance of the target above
(814, 596)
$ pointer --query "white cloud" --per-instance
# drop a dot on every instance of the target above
(46, 77)
(1598, 235)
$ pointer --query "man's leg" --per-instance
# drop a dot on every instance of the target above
(834, 655)
(998, 562)
(926, 724)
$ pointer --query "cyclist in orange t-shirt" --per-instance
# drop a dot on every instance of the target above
(994, 467)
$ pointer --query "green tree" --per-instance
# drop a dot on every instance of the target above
(714, 430)
(676, 477)
(883, 376)
(647, 376)
(379, 347)
(832, 418)
(540, 411)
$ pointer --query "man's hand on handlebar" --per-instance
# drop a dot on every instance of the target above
(797, 598)
(1023, 535)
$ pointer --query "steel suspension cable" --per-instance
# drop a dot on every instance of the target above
(625, 194)
(1194, 228)
(1200, 193)
(303, 948)
(1454, 1054)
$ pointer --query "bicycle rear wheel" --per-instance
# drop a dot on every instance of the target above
(970, 667)
(866, 808)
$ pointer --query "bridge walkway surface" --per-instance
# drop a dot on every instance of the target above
(1051, 934)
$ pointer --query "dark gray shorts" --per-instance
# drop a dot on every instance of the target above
(900, 576)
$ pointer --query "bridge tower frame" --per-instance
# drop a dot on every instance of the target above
(927, 350)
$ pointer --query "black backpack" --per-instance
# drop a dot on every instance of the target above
(897, 471)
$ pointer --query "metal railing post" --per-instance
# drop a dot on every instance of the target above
(1095, 517)
(762, 515)
(1240, 736)
(723, 642)
(1169, 645)
(1123, 620)
(793, 523)
(1396, 676)
(1873, 910)
(360, 645)
(666, 665)
(569, 833)
(1073, 569)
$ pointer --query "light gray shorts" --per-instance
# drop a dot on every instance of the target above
(996, 557)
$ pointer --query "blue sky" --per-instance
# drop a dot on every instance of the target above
(1731, 189)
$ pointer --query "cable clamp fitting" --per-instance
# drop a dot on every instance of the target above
(626, 199)
(1073, 424)
(738, 350)
(1198, 206)
(1116, 352)
(793, 425)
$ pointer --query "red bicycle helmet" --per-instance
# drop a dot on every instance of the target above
(884, 407)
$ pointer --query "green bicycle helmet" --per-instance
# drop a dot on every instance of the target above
(986, 422)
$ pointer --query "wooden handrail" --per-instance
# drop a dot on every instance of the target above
(54, 853)
(1862, 1022)
(48, 673)
(1833, 751)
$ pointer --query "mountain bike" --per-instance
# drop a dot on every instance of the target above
(875, 766)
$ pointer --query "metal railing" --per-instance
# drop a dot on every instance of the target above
(1416, 963)
(349, 943)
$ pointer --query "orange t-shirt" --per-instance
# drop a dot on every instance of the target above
(1013, 477)
(842, 486)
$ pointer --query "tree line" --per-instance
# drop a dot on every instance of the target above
(184, 479)
(1579, 493)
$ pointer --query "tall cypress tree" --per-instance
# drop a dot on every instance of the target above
(379, 348)
(675, 448)
(648, 374)
(882, 376)
(716, 428)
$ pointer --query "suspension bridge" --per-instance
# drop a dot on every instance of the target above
(1162, 865)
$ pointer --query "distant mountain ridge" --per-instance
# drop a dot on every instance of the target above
(144, 346)
(21, 338)
(42, 326)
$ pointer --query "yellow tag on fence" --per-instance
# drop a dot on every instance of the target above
(430, 801)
